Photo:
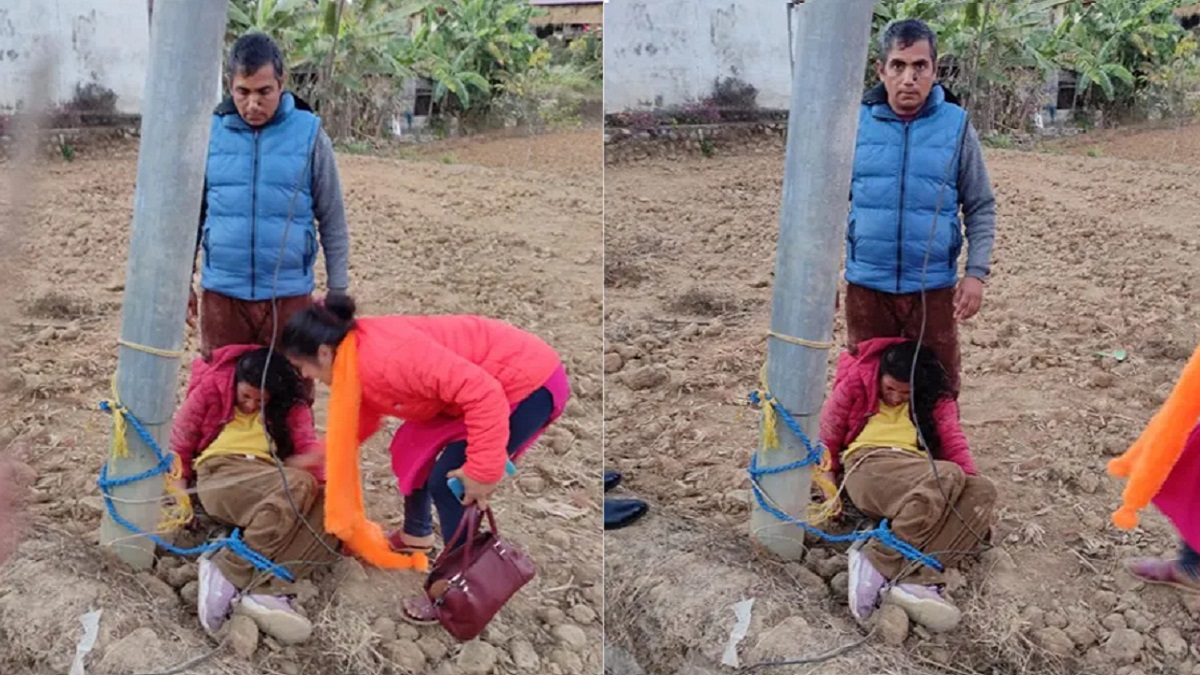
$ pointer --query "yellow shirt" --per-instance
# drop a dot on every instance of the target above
(243, 435)
(891, 427)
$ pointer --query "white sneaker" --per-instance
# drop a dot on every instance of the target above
(865, 583)
(276, 617)
(924, 605)
(215, 597)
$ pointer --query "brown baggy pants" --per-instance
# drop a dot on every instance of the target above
(228, 321)
(872, 314)
(249, 494)
(901, 486)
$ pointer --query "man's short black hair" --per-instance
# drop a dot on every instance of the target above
(904, 34)
(253, 51)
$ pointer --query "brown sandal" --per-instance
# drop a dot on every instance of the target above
(418, 610)
(397, 543)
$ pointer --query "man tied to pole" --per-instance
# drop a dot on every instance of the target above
(917, 163)
(268, 160)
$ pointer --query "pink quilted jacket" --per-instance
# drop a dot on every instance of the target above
(209, 406)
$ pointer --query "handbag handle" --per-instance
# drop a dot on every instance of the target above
(468, 527)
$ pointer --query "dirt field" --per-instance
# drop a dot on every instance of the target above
(1093, 254)
(509, 229)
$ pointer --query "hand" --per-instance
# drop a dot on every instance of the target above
(817, 493)
(330, 293)
(474, 492)
(309, 461)
(193, 308)
(968, 298)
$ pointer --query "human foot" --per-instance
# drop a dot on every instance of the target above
(276, 617)
(865, 584)
(924, 605)
(215, 597)
(1163, 571)
(403, 542)
(418, 610)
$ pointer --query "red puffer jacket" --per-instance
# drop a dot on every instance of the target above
(855, 398)
(209, 406)
(417, 368)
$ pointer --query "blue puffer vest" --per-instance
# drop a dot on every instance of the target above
(899, 168)
(251, 176)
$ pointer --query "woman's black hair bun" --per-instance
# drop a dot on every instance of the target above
(341, 305)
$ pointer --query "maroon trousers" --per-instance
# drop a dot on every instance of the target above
(228, 321)
(872, 314)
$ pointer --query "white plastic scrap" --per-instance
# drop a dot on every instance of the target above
(91, 629)
(742, 611)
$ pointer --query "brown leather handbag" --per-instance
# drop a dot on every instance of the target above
(471, 582)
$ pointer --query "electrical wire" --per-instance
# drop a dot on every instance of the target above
(951, 167)
(271, 445)
(275, 336)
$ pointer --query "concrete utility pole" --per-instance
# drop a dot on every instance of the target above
(186, 41)
(832, 44)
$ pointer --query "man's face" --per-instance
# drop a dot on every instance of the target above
(908, 74)
(256, 94)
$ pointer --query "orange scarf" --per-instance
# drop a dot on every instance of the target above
(1150, 460)
(345, 516)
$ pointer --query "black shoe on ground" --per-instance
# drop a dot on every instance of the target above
(620, 513)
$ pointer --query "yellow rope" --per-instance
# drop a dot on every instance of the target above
(177, 510)
(155, 351)
(831, 505)
(770, 432)
(811, 344)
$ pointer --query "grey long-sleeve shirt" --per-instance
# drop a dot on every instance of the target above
(329, 209)
(978, 205)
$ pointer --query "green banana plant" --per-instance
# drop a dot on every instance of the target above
(1110, 43)
(1002, 50)
(350, 58)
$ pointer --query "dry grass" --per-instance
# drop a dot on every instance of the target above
(700, 301)
(350, 641)
(622, 271)
(55, 305)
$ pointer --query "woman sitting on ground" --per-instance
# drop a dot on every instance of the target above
(474, 392)
(937, 504)
(223, 425)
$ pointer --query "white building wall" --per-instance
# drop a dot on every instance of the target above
(105, 43)
(662, 53)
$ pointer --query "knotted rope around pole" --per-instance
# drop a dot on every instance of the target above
(181, 513)
(817, 458)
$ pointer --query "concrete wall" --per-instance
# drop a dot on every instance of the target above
(661, 53)
(102, 43)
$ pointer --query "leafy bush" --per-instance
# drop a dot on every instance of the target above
(1129, 55)
(351, 60)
